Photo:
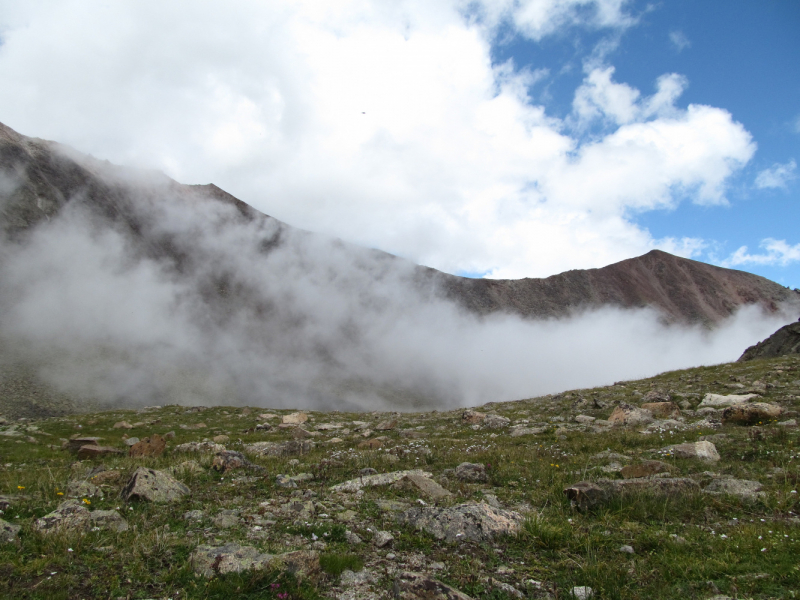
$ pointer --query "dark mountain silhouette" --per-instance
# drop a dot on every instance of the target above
(44, 177)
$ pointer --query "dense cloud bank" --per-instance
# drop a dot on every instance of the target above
(202, 305)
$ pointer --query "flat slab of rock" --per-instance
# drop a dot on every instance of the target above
(74, 444)
(8, 532)
(469, 521)
(518, 431)
(589, 494)
(751, 414)
(153, 486)
(743, 488)
(353, 485)
(203, 447)
(718, 400)
(495, 422)
(290, 448)
(418, 586)
(703, 450)
(108, 519)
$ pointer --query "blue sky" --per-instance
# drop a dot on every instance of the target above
(504, 138)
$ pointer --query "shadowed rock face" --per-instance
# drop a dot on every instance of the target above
(784, 341)
(43, 177)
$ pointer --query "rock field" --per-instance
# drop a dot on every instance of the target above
(679, 486)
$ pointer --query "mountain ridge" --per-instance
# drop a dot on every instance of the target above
(50, 175)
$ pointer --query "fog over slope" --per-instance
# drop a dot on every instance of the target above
(165, 293)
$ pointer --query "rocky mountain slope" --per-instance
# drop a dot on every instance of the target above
(41, 178)
(784, 341)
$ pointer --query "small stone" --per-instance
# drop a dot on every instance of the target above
(295, 418)
(386, 425)
(382, 538)
(418, 586)
(131, 441)
(352, 538)
(193, 515)
(122, 425)
(153, 486)
(626, 549)
(221, 439)
(301, 434)
(82, 489)
(704, 450)
(495, 422)
(625, 414)
(228, 460)
(584, 419)
(108, 519)
(582, 592)
(9, 532)
(427, 487)
(149, 446)
(472, 417)
(225, 519)
(471, 472)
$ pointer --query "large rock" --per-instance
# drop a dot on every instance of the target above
(418, 586)
(751, 414)
(720, 401)
(8, 532)
(471, 472)
(703, 450)
(496, 422)
(149, 446)
(208, 561)
(92, 452)
(469, 521)
(153, 486)
(588, 494)
(626, 414)
(353, 485)
(290, 448)
(71, 515)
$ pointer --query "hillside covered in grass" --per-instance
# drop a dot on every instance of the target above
(580, 494)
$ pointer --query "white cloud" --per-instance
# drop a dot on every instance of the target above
(382, 123)
(777, 252)
(777, 176)
(679, 40)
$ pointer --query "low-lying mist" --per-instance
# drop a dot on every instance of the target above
(198, 305)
